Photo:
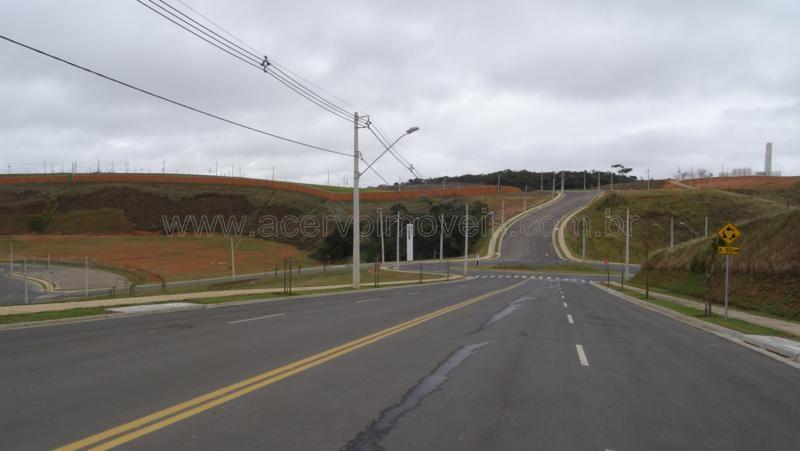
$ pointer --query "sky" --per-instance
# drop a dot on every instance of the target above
(536, 85)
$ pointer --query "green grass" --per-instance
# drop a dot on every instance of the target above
(731, 323)
(44, 316)
(330, 277)
(571, 268)
(651, 212)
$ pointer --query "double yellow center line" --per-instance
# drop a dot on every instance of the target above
(137, 428)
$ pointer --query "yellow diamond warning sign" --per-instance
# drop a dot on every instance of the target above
(729, 233)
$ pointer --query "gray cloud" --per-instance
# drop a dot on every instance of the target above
(493, 85)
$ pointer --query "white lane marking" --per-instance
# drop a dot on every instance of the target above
(569, 318)
(582, 355)
(274, 315)
(562, 297)
(491, 277)
(367, 300)
(565, 305)
(516, 277)
(413, 292)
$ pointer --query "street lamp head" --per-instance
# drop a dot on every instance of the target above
(411, 130)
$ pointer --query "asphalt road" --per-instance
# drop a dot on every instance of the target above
(502, 361)
(498, 373)
(530, 240)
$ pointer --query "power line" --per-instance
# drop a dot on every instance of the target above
(245, 44)
(174, 102)
(248, 55)
(234, 50)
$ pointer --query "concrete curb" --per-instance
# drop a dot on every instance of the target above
(47, 286)
(560, 243)
(772, 323)
(84, 319)
(722, 332)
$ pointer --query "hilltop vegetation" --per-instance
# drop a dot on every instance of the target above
(651, 212)
(119, 225)
(764, 278)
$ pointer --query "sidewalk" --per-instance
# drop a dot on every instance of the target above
(58, 306)
(790, 327)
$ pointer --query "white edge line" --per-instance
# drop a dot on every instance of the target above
(368, 300)
(565, 305)
(582, 355)
(569, 318)
(274, 315)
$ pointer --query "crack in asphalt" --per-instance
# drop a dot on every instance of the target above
(370, 439)
(509, 309)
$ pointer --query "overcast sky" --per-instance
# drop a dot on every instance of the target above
(568, 84)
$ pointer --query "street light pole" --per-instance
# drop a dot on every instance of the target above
(356, 213)
(441, 240)
(383, 253)
(466, 237)
(397, 265)
(356, 225)
(627, 239)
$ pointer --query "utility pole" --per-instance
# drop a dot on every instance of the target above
(584, 240)
(466, 237)
(233, 260)
(397, 254)
(612, 181)
(598, 182)
(86, 276)
(216, 168)
(671, 232)
(541, 180)
(273, 173)
(562, 182)
(627, 240)
(356, 224)
(498, 183)
(648, 180)
(163, 166)
(502, 211)
(554, 184)
(25, 276)
(441, 239)
(380, 225)
(584, 180)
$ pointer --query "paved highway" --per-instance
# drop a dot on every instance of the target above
(537, 364)
(503, 360)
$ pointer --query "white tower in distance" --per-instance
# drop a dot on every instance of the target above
(768, 160)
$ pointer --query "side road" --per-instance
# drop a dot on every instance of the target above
(59, 306)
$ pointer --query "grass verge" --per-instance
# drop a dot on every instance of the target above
(59, 314)
(571, 268)
(731, 323)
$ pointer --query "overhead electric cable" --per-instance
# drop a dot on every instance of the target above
(174, 102)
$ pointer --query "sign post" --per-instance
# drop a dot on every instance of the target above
(728, 234)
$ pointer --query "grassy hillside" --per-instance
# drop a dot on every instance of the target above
(651, 211)
(119, 225)
(765, 278)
